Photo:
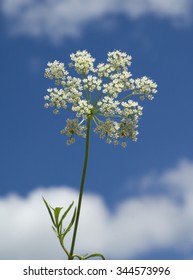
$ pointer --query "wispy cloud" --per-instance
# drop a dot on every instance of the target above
(138, 225)
(57, 19)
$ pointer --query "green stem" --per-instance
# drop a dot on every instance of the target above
(65, 250)
(126, 97)
(81, 188)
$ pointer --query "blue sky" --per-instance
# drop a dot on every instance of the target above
(140, 197)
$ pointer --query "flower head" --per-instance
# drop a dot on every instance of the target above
(106, 93)
(82, 62)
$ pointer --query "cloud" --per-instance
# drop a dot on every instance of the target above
(161, 8)
(57, 19)
(138, 225)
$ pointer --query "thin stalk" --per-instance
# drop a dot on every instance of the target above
(65, 250)
(131, 94)
(70, 257)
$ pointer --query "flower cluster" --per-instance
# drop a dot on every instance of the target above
(73, 128)
(83, 62)
(56, 71)
(104, 93)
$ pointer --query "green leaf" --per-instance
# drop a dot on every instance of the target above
(56, 214)
(55, 230)
(49, 211)
(65, 213)
(70, 225)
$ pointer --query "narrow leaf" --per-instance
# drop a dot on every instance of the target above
(56, 214)
(49, 211)
(70, 224)
(65, 213)
(55, 231)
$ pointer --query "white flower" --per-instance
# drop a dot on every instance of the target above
(131, 108)
(102, 93)
(73, 127)
(108, 106)
(83, 62)
(108, 129)
(92, 83)
(119, 60)
(128, 129)
(145, 87)
(57, 99)
(104, 70)
(82, 108)
(56, 71)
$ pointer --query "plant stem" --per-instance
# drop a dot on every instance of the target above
(81, 187)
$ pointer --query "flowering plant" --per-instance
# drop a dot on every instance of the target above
(100, 95)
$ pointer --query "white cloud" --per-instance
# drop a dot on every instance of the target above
(138, 224)
(163, 8)
(60, 18)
